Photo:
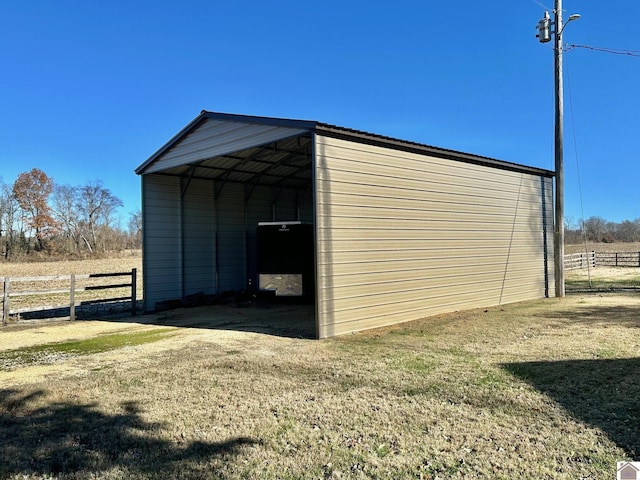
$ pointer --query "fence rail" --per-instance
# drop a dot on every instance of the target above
(71, 290)
(619, 259)
(575, 261)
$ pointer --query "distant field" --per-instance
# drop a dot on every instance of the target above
(603, 247)
(70, 267)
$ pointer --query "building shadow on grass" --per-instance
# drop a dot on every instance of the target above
(288, 320)
(623, 315)
(79, 441)
(602, 393)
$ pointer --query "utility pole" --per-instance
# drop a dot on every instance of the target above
(544, 35)
(558, 230)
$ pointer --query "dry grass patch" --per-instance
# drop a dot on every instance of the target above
(603, 278)
(542, 389)
(603, 247)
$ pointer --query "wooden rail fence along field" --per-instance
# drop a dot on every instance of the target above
(575, 261)
(67, 285)
(618, 259)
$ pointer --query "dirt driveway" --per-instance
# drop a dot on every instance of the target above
(221, 324)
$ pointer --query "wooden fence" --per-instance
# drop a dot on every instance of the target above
(618, 259)
(71, 290)
(575, 261)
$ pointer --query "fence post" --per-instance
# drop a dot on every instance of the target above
(72, 298)
(134, 279)
(4, 320)
(5, 301)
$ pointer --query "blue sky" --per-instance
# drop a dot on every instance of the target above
(89, 90)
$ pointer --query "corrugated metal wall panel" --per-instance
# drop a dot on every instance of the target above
(345, 262)
(162, 261)
(219, 137)
(305, 206)
(465, 175)
(198, 237)
(231, 238)
(258, 210)
(285, 206)
(402, 235)
(549, 218)
(415, 188)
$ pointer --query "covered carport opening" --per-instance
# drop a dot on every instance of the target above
(222, 200)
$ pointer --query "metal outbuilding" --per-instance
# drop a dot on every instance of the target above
(401, 230)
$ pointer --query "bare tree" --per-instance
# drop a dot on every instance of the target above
(628, 231)
(135, 228)
(8, 213)
(595, 228)
(65, 211)
(96, 208)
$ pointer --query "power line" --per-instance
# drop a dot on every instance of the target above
(575, 151)
(614, 51)
(541, 4)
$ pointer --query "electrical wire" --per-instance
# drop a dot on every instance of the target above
(541, 5)
(614, 51)
(575, 151)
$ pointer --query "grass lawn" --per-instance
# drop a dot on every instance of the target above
(603, 279)
(545, 389)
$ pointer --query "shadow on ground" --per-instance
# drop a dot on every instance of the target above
(77, 441)
(602, 393)
(283, 320)
(290, 320)
(624, 315)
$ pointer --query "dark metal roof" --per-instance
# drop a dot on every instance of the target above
(287, 161)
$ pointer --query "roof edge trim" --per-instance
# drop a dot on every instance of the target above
(345, 134)
(205, 115)
(419, 148)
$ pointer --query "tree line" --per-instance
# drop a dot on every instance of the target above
(599, 230)
(39, 217)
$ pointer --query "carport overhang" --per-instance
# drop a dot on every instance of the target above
(274, 151)
(239, 149)
(225, 149)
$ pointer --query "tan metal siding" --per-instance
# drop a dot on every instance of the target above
(161, 230)
(403, 235)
